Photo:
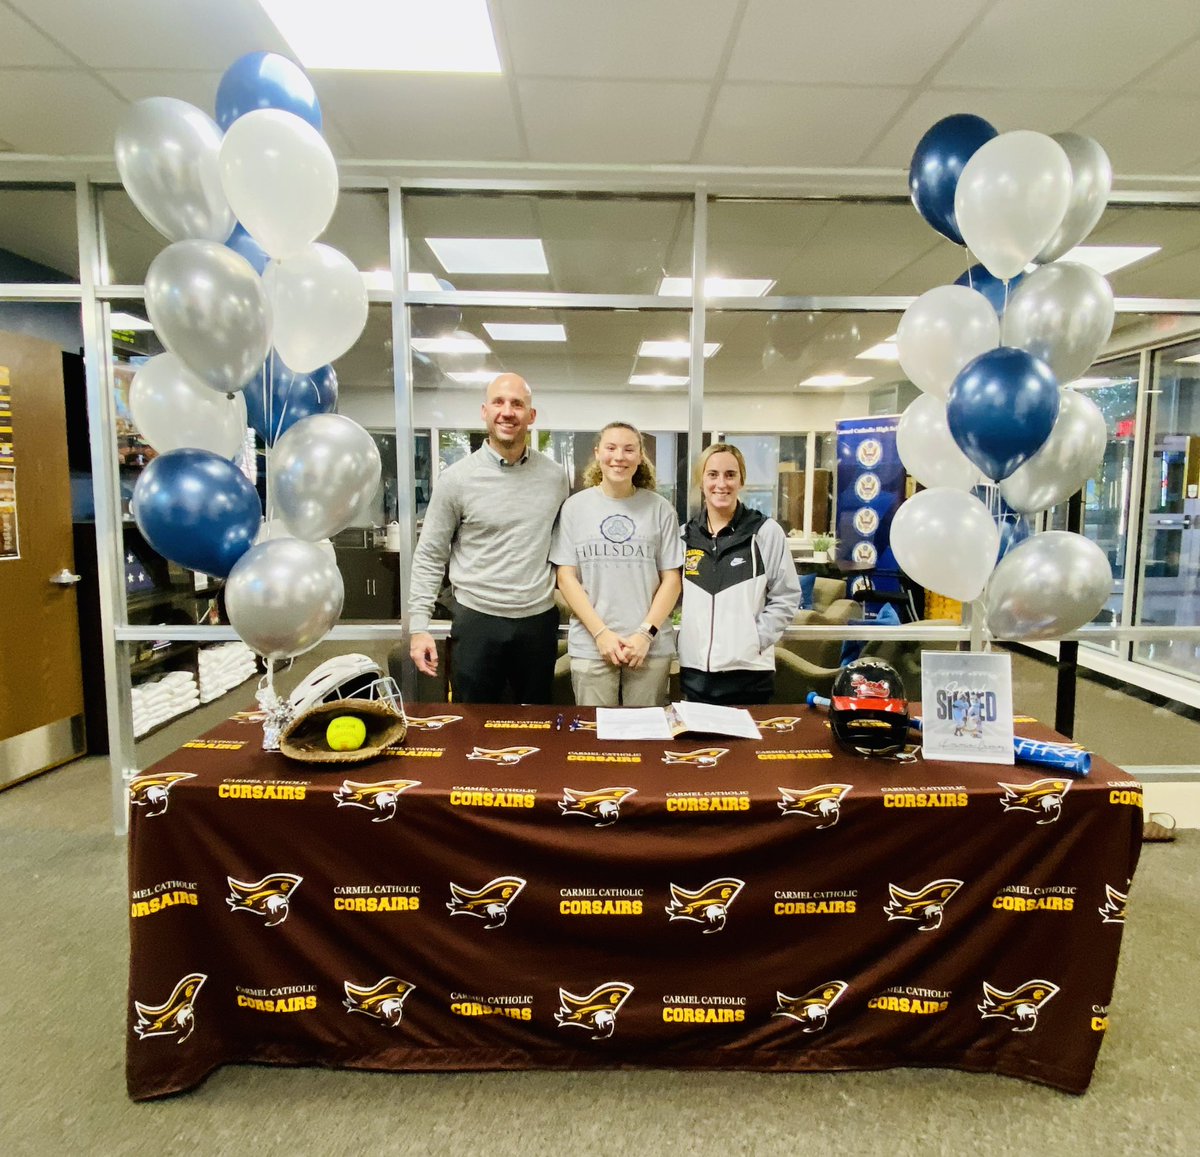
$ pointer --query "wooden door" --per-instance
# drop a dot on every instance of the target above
(41, 688)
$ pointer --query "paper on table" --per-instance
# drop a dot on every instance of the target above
(632, 723)
(707, 719)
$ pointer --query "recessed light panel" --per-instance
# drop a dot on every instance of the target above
(842, 380)
(674, 349)
(506, 331)
(716, 286)
(489, 254)
(388, 35)
(1106, 259)
(657, 380)
(458, 344)
(473, 377)
(884, 351)
(127, 321)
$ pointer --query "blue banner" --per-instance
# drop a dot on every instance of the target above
(870, 487)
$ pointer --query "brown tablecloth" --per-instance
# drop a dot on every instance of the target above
(506, 892)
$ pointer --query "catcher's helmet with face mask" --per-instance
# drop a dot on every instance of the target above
(868, 711)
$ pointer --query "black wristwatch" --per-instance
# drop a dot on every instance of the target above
(648, 629)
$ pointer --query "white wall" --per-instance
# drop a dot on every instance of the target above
(733, 413)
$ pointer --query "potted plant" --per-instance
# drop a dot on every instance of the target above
(822, 546)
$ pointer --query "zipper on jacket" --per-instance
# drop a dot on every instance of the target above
(712, 614)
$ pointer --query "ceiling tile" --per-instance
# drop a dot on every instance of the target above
(197, 88)
(598, 121)
(22, 44)
(124, 34)
(422, 117)
(1069, 44)
(813, 41)
(1179, 75)
(1147, 133)
(621, 39)
(760, 124)
(80, 118)
(1007, 109)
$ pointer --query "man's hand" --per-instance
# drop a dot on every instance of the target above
(423, 651)
(611, 647)
(636, 648)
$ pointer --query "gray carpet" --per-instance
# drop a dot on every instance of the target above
(62, 1024)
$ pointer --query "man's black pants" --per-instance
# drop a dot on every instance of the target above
(498, 660)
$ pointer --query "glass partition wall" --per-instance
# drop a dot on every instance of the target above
(763, 321)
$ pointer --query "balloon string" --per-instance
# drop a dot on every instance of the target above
(269, 403)
(1004, 311)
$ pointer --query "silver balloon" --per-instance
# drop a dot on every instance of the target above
(168, 157)
(1091, 182)
(1046, 586)
(1063, 314)
(323, 470)
(283, 596)
(208, 307)
(1067, 459)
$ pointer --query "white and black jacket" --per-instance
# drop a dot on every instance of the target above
(740, 593)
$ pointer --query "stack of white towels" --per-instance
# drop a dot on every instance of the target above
(223, 667)
(158, 700)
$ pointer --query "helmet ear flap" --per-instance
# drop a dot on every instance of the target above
(868, 709)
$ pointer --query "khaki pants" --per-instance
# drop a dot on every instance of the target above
(596, 683)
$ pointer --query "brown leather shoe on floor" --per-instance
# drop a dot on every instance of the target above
(1159, 828)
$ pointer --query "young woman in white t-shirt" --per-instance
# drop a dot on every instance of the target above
(618, 556)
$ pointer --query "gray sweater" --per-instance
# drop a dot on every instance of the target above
(492, 522)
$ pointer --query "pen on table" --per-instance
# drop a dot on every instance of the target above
(558, 722)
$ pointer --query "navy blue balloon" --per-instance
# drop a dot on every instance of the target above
(1001, 409)
(266, 80)
(197, 509)
(938, 162)
(1014, 528)
(293, 396)
(241, 242)
(980, 280)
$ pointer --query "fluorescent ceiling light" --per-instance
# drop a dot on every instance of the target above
(457, 344)
(424, 283)
(885, 351)
(716, 286)
(657, 380)
(1106, 259)
(833, 380)
(674, 349)
(388, 35)
(489, 254)
(1090, 383)
(1180, 361)
(506, 331)
(120, 320)
(378, 279)
(473, 376)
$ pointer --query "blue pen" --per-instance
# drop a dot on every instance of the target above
(558, 722)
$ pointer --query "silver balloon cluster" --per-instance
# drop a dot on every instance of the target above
(1002, 338)
(252, 198)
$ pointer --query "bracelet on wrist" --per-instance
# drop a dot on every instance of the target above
(597, 634)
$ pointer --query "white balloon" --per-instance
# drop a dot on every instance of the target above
(280, 178)
(946, 541)
(319, 306)
(928, 449)
(174, 409)
(1091, 182)
(1011, 198)
(274, 528)
(943, 330)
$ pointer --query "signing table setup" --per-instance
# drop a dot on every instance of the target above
(504, 890)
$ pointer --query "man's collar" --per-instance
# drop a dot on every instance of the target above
(499, 458)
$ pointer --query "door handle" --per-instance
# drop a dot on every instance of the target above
(64, 578)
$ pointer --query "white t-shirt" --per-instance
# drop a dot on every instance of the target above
(618, 546)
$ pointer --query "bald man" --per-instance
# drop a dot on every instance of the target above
(491, 518)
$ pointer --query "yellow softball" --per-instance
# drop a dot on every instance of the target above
(345, 733)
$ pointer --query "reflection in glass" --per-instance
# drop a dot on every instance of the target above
(38, 236)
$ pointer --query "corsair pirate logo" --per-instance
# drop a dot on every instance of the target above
(490, 903)
(268, 897)
(823, 802)
(383, 1001)
(926, 905)
(153, 792)
(431, 722)
(505, 756)
(812, 1009)
(779, 723)
(176, 1017)
(708, 906)
(704, 757)
(602, 805)
(1113, 911)
(377, 797)
(1044, 797)
(1021, 1005)
(596, 1012)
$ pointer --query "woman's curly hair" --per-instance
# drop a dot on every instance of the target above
(643, 477)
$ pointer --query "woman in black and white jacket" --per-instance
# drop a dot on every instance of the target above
(740, 590)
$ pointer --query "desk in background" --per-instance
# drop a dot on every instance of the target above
(506, 892)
